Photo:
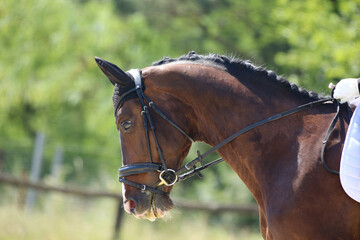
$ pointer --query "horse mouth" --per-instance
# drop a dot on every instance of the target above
(158, 208)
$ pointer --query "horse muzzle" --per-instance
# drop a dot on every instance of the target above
(147, 206)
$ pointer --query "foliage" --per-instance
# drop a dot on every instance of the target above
(49, 82)
(323, 42)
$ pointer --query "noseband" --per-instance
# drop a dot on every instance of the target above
(169, 177)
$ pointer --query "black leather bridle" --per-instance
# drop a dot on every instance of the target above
(169, 177)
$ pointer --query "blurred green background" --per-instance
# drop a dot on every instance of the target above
(49, 83)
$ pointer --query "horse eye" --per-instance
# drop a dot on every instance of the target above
(126, 125)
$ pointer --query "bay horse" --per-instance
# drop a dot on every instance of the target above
(161, 109)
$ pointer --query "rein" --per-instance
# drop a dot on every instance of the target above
(169, 177)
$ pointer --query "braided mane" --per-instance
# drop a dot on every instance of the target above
(236, 66)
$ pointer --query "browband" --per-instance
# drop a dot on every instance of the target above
(122, 94)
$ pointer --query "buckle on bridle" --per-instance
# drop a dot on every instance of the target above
(168, 177)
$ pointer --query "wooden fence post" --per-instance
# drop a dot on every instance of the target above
(56, 164)
(2, 158)
(118, 221)
(35, 168)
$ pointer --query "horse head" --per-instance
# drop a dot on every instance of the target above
(153, 146)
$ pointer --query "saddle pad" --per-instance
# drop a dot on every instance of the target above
(350, 159)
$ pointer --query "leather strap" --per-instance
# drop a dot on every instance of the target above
(137, 168)
(143, 187)
(328, 133)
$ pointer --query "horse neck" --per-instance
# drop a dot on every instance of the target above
(222, 105)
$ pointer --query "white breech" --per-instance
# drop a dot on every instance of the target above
(350, 159)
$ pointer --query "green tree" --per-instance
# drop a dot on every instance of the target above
(49, 80)
(323, 38)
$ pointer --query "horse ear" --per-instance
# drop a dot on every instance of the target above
(113, 72)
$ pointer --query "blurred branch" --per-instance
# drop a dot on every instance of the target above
(17, 182)
(217, 208)
(186, 205)
(336, 7)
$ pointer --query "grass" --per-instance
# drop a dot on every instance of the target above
(183, 229)
(63, 217)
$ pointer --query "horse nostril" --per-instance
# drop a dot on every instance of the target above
(132, 206)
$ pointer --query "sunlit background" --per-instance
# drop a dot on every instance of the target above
(52, 92)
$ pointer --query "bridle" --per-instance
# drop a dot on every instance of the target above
(169, 177)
